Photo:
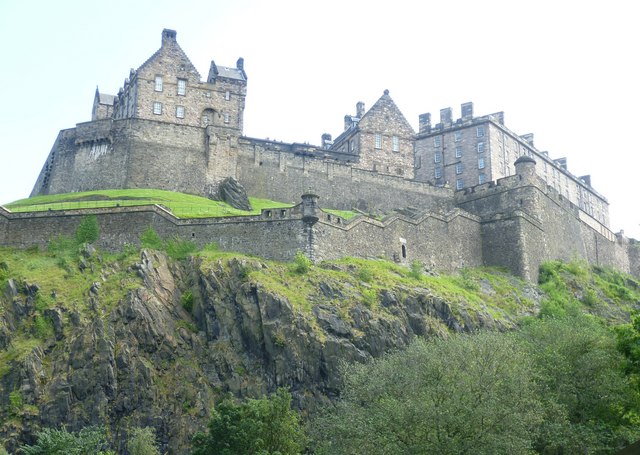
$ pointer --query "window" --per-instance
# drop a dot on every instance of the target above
(437, 141)
(226, 117)
(180, 111)
(458, 152)
(227, 95)
(457, 136)
(481, 178)
(438, 173)
(157, 108)
(395, 144)
(437, 157)
(459, 184)
(459, 168)
(182, 87)
(378, 140)
(480, 147)
(480, 131)
(480, 163)
(158, 84)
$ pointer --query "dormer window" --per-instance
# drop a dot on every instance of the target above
(158, 86)
(182, 87)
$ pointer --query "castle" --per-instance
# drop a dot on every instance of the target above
(460, 193)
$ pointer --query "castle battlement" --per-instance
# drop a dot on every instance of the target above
(462, 193)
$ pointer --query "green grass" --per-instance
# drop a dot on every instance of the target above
(344, 214)
(180, 204)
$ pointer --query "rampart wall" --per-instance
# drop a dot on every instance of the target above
(266, 171)
(442, 242)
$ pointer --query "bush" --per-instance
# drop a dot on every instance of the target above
(143, 442)
(365, 274)
(178, 248)
(416, 270)
(89, 440)
(151, 240)
(15, 401)
(301, 263)
(88, 231)
(187, 301)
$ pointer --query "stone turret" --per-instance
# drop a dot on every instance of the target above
(310, 210)
(525, 167)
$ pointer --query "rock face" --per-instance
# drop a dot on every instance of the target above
(234, 194)
(183, 334)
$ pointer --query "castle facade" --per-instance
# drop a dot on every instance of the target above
(460, 193)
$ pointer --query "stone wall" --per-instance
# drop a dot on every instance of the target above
(267, 172)
(276, 234)
(442, 242)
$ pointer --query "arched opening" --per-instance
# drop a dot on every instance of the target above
(404, 251)
(207, 118)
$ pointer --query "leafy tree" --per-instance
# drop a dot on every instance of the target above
(88, 441)
(142, 442)
(267, 426)
(586, 395)
(465, 394)
(301, 263)
(89, 230)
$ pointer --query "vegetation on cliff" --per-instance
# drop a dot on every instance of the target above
(157, 339)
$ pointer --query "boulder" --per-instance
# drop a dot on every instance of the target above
(234, 194)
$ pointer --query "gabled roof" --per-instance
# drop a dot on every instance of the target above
(230, 73)
(106, 99)
(387, 107)
(170, 45)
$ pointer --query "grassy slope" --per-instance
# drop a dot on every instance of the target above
(182, 205)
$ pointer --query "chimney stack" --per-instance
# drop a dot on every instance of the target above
(168, 36)
(424, 123)
(467, 111)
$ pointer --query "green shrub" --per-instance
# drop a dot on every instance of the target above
(151, 240)
(178, 248)
(416, 270)
(89, 440)
(301, 263)
(42, 327)
(15, 401)
(370, 298)
(143, 442)
(365, 274)
(61, 245)
(187, 301)
(88, 231)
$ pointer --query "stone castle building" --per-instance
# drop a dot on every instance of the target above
(461, 193)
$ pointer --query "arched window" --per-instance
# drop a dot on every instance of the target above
(404, 251)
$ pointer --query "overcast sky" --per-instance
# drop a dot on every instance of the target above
(565, 71)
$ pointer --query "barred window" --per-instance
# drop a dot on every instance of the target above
(378, 140)
(182, 87)
(157, 108)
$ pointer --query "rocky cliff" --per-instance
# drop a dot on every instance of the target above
(144, 340)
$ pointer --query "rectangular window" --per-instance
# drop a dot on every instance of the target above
(480, 163)
(227, 95)
(481, 178)
(437, 157)
(480, 131)
(458, 152)
(459, 184)
(157, 108)
(226, 117)
(457, 136)
(459, 168)
(378, 140)
(437, 141)
(180, 111)
(395, 144)
(182, 87)
(438, 173)
(480, 147)
(158, 84)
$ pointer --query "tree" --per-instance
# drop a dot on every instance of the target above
(88, 231)
(88, 441)
(586, 395)
(142, 442)
(465, 394)
(266, 426)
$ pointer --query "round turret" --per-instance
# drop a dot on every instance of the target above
(310, 208)
(525, 166)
